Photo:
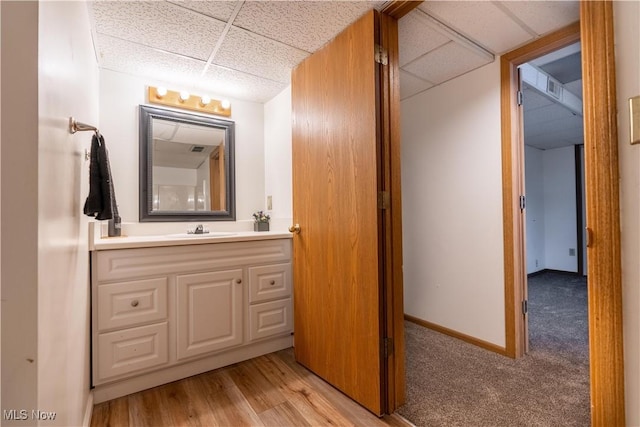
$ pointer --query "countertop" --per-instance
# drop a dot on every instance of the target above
(182, 239)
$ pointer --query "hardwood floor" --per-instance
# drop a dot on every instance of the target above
(271, 390)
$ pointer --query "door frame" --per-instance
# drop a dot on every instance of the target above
(595, 31)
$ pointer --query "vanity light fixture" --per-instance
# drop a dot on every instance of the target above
(161, 92)
(175, 99)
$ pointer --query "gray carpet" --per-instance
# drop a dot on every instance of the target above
(452, 383)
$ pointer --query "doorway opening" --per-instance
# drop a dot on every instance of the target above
(595, 31)
(555, 310)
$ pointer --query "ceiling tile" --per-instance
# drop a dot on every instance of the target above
(120, 55)
(240, 85)
(445, 63)
(307, 25)
(544, 16)
(266, 58)
(480, 21)
(548, 114)
(411, 85)
(158, 24)
(534, 100)
(416, 37)
(221, 10)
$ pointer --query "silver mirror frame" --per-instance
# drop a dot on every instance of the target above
(146, 212)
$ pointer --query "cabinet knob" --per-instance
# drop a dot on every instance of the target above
(273, 282)
(238, 280)
(134, 303)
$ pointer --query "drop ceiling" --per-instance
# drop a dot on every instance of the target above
(247, 49)
(547, 123)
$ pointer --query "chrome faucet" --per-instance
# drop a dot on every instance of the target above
(199, 229)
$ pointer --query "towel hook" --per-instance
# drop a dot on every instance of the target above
(75, 126)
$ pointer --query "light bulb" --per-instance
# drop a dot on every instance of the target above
(225, 104)
(161, 91)
(205, 100)
(184, 95)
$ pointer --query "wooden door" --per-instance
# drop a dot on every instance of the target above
(338, 318)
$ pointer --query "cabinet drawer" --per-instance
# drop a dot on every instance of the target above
(270, 318)
(132, 303)
(269, 282)
(133, 349)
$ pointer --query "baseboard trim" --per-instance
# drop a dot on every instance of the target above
(550, 270)
(459, 335)
(88, 410)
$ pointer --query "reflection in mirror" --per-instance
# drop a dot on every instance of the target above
(186, 168)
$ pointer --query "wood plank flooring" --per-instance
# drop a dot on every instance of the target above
(271, 390)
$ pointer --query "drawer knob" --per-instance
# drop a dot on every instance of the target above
(238, 280)
(273, 282)
(134, 303)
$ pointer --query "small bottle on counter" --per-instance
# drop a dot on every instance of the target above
(115, 229)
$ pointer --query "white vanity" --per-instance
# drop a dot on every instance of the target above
(168, 307)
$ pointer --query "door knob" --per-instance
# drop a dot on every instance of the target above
(295, 229)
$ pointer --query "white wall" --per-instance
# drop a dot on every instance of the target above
(534, 191)
(551, 209)
(19, 193)
(174, 176)
(49, 73)
(560, 225)
(452, 205)
(627, 37)
(120, 96)
(68, 86)
(277, 141)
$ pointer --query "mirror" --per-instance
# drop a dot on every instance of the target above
(186, 166)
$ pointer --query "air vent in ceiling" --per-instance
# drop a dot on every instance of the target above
(554, 88)
(547, 86)
(197, 148)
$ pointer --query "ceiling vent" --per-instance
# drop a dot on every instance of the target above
(554, 88)
(197, 148)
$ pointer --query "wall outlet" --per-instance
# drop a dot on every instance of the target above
(269, 203)
(572, 252)
(536, 263)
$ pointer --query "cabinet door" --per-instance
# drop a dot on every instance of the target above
(209, 312)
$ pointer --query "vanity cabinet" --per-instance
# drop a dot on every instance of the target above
(160, 314)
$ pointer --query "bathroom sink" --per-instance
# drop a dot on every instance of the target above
(209, 234)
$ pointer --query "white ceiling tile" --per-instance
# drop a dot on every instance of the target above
(411, 85)
(120, 55)
(307, 25)
(240, 85)
(551, 113)
(544, 16)
(266, 57)
(416, 37)
(158, 24)
(445, 63)
(534, 100)
(480, 21)
(221, 10)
